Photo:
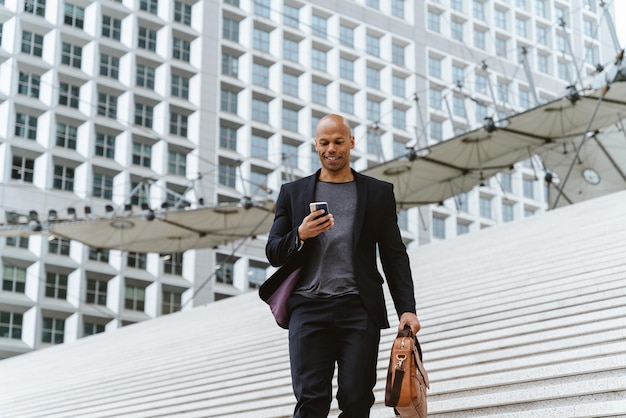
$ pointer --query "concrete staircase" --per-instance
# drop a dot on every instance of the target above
(526, 319)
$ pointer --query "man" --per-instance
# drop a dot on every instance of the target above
(337, 308)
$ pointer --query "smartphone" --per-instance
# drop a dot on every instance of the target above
(317, 206)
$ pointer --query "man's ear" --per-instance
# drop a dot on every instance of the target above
(352, 142)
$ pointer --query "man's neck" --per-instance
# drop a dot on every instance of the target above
(330, 177)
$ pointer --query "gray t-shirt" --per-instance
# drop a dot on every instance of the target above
(330, 272)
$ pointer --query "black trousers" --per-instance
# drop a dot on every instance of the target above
(325, 332)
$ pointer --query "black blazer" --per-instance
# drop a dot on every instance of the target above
(375, 224)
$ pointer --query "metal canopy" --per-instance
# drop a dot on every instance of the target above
(448, 168)
(161, 232)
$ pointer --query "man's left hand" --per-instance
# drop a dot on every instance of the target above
(409, 319)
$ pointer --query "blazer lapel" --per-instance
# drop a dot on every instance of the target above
(361, 201)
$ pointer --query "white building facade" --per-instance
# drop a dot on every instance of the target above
(146, 102)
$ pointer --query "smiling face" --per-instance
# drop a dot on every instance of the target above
(333, 142)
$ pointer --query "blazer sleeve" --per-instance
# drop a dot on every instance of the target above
(394, 257)
(283, 236)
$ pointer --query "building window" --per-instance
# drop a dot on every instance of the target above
(456, 30)
(529, 188)
(290, 84)
(145, 76)
(439, 227)
(99, 255)
(32, 43)
(18, 242)
(374, 141)
(228, 102)
(291, 16)
(111, 27)
(146, 39)
(397, 54)
(66, 136)
(291, 50)
(290, 119)
(260, 110)
(56, 285)
(13, 279)
(69, 95)
(462, 202)
(436, 130)
(182, 13)
(150, 6)
(105, 145)
(434, 21)
(177, 163)
(289, 155)
(485, 207)
(397, 8)
(506, 181)
(92, 328)
(507, 212)
(36, 7)
(435, 99)
(372, 45)
(500, 17)
(398, 86)
(143, 115)
(227, 175)
(180, 86)
(74, 15)
(228, 138)
(258, 182)
(261, 75)
(178, 124)
(481, 112)
(542, 63)
(224, 269)
(181, 49)
(318, 93)
(22, 169)
(107, 105)
(318, 59)
(479, 38)
(230, 65)
(372, 77)
(28, 84)
(258, 147)
(173, 264)
(346, 69)
(256, 275)
(458, 106)
(109, 66)
(26, 126)
(523, 97)
(102, 186)
(71, 55)
(261, 40)
(462, 228)
(346, 36)
(63, 178)
(528, 212)
(346, 102)
(142, 154)
(481, 83)
(53, 330)
(230, 29)
(96, 292)
(373, 110)
(172, 302)
(434, 67)
(262, 8)
(59, 246)
(134, 297)
(502, 46)
(319, 26)
(399, 118)
(137, 260)
(11, 325)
